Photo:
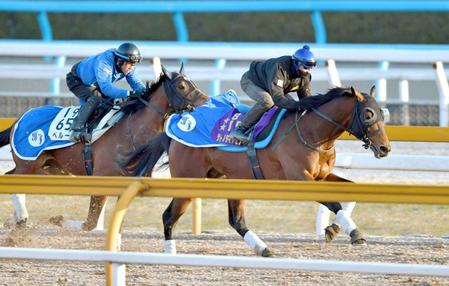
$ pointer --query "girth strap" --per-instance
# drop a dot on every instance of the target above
(254, 162)
(88, 163)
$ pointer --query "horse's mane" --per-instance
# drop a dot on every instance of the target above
(133, 104)
(320, 99)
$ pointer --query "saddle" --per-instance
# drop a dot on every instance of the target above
(103, 108)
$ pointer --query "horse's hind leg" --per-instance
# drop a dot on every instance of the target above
(95, 208)
(236, 212)
(170, 217)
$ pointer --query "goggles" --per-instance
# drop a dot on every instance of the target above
(133, 59)
(306, 65)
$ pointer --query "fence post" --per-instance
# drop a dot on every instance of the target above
(157, 67)
(196, 216)
(215, 85)
(319, 27)
(114, 238)
(381, 84)
(405, 100)
(55, 84)
(443, 89)
(333, 73)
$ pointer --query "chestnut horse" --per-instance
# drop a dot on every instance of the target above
(143, 118)
(302, 149)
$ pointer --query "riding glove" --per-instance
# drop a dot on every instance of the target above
(136, 93)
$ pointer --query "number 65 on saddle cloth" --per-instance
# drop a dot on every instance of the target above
(49, 127)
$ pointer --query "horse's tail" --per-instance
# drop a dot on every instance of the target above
(5, 137)
(143, 160)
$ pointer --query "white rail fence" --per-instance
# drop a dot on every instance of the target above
(120, 259)
(358, 62)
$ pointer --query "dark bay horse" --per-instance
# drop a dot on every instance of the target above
(144, 117)
(302, 149)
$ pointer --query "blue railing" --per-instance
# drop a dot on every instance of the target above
(178, 8)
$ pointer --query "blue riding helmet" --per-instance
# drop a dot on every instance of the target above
(304, 57)
(129, 53)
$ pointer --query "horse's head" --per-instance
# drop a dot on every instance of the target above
(182, 93)
(368, 123)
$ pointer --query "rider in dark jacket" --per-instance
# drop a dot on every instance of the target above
(93, 78)
(269, 82)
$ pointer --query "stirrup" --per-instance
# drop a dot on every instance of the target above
(80, 136)
(240, 136)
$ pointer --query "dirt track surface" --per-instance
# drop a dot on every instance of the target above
(405, 249)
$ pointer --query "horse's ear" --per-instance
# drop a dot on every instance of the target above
(181, 69)
(165, 72)
(353, 91)
(357, 94)
(372, 91)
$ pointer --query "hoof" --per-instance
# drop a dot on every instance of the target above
(87, 226)
(357, 238)
(359, 242)
(21, 223)
(12, 222)
(266, 253)
(56, 220)
(331, 232)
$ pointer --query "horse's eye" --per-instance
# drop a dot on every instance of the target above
(369, 114)
(182, 86)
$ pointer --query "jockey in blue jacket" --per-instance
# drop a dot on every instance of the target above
(92, 79)
(269, 82)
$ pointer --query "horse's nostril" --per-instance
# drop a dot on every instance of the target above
(384, 149)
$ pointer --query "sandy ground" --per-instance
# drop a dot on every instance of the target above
(418, 249)
(406, 249)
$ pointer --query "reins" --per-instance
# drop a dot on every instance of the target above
(357, 127)
(301, 137)
(153, 107)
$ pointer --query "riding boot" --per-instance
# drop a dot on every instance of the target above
(79, 129)
(241, 133)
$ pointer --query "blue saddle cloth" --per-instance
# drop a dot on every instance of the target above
(209, 125)
(32, 132)
(195, 128)
(49, 127)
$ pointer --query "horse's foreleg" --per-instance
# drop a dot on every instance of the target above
(347, 206)
(322, 226)
(236, 212)
(20, 216)
(20, 212)
(343, 218)
(170, 217)
(95, 208)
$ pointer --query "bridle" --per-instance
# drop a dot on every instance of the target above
(177, 97)
(358, 125)
(174, 97)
